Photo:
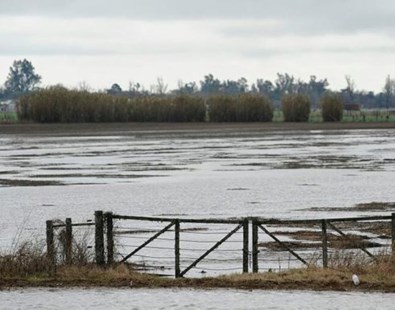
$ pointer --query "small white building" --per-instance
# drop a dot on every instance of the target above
(7, 106)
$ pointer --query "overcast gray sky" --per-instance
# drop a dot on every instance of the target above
(104, 42)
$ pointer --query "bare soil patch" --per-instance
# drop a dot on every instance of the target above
(178, 129)
(361, 207)
(14, 182)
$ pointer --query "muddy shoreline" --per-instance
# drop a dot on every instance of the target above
(179, 129)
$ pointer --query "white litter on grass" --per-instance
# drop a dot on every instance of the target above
(355, 279)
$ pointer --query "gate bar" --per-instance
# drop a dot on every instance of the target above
(211, 250)
(344, 235)
(147, 242)
(283, 245)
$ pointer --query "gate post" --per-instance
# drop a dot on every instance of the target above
(255, 251)
(177, 248)
(393, 233)
(245, 245)
(50, 247)
(324, 244)
(69, 241)
(99, 238)
(110, 237)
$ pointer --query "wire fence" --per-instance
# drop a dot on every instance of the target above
(195, 240)
(210, 247)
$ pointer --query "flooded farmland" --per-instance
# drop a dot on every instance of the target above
(274, 174)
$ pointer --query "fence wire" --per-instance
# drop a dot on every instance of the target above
(280, 246)
(195, 240)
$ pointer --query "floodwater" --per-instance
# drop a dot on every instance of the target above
(190, 299)
(278, 174)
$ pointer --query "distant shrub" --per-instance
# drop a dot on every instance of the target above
(242, 108)
(296, 108)
(332, 108)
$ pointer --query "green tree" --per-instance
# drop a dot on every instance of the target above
(210, 85)
(115, 89)
(22, 77)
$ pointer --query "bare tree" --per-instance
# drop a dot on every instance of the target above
(350, 88)
(389, 91)
(84, 86)
(160, 87)
(134, 87)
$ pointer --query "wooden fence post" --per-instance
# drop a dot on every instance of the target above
(177, 248)
(69, 241)
(393, 233)
(50, 247)
(245, 245)
(255, 251)
(110, 238)
(99, 238)
(324, 244)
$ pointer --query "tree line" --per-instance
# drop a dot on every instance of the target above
(23, 79)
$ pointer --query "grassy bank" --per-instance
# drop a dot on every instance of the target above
(28, 266)
(379, 278)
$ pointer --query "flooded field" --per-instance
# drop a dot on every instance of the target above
(275, 174)
(272, 174)
(190, 299)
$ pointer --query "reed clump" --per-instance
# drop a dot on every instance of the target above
(296, 108)
(242, 108)
(332, 108)
(182, 108)
(61, 105)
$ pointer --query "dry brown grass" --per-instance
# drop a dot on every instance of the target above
(378, 276)
(29, 258)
